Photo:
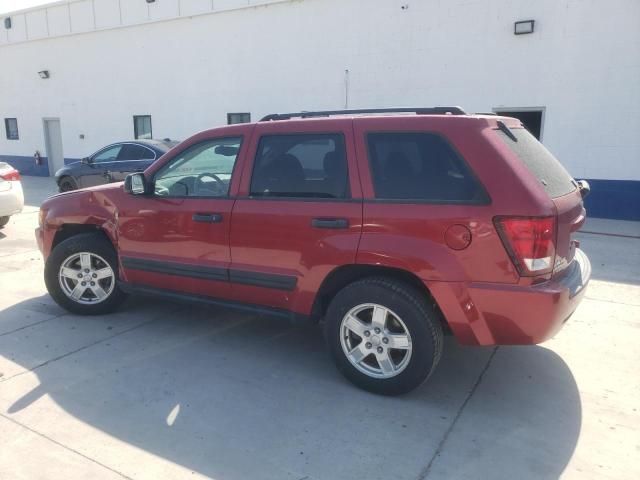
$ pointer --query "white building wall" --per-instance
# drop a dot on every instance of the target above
(582, 64)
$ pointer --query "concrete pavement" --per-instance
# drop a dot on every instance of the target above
(161, 390)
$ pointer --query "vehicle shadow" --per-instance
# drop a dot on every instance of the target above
(234, 396)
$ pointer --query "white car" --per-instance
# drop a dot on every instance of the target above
(11, 196)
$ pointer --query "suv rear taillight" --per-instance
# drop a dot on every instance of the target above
(530, 241)
(11, 175)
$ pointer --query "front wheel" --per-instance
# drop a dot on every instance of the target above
(67, 184)
(383, 335)
(81, 275)
(4, 221)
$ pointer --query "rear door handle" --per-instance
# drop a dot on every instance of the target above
(207, 217)
(330, 223)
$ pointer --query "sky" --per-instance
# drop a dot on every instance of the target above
(11, 5)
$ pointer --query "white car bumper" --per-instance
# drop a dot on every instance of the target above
(11, 198)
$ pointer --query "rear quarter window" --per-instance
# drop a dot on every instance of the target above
(422, 167)
(543, 165)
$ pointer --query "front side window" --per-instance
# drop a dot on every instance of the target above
(11, 128)
(202, 170)
(142, 127)
(420, 166)
(109, 154)
(309, 166)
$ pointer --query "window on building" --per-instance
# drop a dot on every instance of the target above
(142, 127)
(234, 118)
(202, 170)
(310, 166)
(11, 126)
(420, 166)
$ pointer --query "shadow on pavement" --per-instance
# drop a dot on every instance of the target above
(236, 396)
(623, 266)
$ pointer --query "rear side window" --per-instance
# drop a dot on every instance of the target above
(135, 152)
(307, 166)
(540, 161)
(420, 166)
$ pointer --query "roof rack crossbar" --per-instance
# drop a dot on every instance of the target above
(328, 113)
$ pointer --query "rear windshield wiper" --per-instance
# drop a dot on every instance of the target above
(504, 129)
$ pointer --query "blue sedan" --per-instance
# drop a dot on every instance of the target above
(111, 163)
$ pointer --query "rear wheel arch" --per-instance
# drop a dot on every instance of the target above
(344, 275)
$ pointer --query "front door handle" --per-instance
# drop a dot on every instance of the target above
(207, 217)
(330, 223)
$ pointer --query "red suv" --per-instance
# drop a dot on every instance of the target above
(390, 226)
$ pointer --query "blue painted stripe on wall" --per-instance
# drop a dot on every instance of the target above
(616, 199)
(26, 165)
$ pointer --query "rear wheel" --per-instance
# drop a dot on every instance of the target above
(383, 335)
(81, 275)
(66, 184)
(3, 221)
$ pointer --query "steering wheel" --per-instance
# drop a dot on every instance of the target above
(161, 190)
(199, 186)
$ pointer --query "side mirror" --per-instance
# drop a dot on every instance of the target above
(86, 161)
(135, 184)
(585, 188)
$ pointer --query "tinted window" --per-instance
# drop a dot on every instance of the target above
(203, 170)
(540, 161)
(109, 154)
(311, 166)
(11, 128)
(420, 166)
(135, 152)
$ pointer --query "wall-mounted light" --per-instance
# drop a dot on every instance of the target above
(44, 74)
(7, 23)
(523, 27)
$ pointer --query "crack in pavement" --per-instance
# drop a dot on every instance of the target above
(97, 342)
(425, 472)
(33, 324)
(42, 435)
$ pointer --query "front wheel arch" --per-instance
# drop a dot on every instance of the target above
(69, 230)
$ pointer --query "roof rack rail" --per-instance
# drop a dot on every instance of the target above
(328, 113)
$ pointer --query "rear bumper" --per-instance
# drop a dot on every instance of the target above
(11, 200)
(498, 314)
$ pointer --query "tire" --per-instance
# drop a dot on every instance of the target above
(66, 184)
(63, 284)
(406, 310)
(4, 221)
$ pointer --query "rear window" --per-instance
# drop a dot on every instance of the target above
(540, 161)
(420, 166)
